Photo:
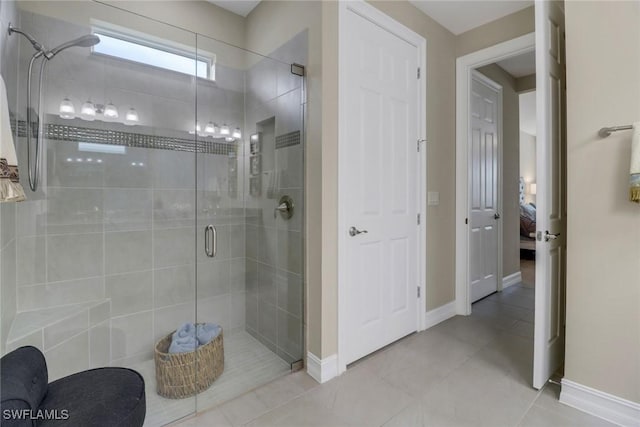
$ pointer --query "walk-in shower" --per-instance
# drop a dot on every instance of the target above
(115, 248)
(83, 41)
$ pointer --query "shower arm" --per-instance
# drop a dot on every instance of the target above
(36, 45)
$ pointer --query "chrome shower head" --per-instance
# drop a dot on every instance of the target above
(36, 45)
(84, 41)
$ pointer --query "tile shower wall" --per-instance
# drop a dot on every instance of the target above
(274, 246)
(105, 252)
(8, 69)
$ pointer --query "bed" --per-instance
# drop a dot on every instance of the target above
(527, 222)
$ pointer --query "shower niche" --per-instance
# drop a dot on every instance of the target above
(110, 252)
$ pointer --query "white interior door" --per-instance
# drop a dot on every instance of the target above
(551, 198)
(379, 186)
(484, 156)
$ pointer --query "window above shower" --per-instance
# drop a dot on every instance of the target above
(156, 54)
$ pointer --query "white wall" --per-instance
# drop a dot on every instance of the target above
(528, 163)
(527, 103)
(603, 247)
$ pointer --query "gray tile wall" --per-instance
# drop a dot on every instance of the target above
(7, 270)
(114, 242)
(274, 246)
(8, 69)
(134, 246)
(112, 238)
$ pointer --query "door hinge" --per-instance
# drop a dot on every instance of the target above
(466, 220)
(418, 72)
(418, 219)
(418, 291)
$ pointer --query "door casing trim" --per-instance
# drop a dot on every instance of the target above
(464, 67)
(370, 13)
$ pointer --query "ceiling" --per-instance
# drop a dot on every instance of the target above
(521, 65)
(239, 7)
(528, 113)
(458, 16)
(461, 16)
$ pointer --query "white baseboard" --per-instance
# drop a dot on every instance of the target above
(511, 280)
(322, 370)
(600, 404)
(440, 314)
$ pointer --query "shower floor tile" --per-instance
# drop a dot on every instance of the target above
(247, 364)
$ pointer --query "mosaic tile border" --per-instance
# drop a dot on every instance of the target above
(288, 139)
(57, 132)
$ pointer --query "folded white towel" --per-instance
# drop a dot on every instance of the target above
(634, 184)
(10, 188)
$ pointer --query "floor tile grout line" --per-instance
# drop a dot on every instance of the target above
(533, 402)
(221, 406)
(414, 400)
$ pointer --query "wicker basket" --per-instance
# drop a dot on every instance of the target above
(180, 375)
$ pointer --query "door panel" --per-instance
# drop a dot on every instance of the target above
(551, 200)
(398, 264)
(483, 250)
(381, 265)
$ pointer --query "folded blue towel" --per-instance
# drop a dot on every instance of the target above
(207, 332)
(189, 336)
(186, 330)
(183, 345)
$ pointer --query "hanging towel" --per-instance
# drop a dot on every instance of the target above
(634, 185)
(10, 188)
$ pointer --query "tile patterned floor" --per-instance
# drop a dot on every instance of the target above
(466, 371)
(528, 269)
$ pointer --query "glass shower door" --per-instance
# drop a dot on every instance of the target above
(249, 258)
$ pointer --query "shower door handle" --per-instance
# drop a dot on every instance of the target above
(210, 241)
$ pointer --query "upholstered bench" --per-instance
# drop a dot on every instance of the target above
(103, 397)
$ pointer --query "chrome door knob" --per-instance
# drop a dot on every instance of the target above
(496, 216)
(550, 236)
(354, 231)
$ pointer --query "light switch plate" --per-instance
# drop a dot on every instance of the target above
(433, 198)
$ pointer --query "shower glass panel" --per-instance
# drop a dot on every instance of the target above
(106, 246)
(149, 214)
(249, 266)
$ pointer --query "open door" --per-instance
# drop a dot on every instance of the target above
(551, 209)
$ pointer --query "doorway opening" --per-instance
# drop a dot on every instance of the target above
(502, 209)
(527, 188)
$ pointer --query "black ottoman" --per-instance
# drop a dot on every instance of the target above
(103, 397)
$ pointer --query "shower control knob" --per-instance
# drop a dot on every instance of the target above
(285, 207)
